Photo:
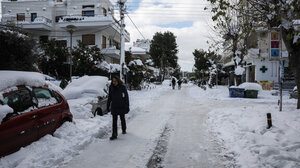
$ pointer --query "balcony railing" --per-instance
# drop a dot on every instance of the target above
(81, 18)
(27, 20)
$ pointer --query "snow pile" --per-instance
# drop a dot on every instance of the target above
(137, 62)
(4, 110)
(15, 78)
(251, 86)
(239, 70)
(53, 86)
(242, 130)
(109, 67)
(86, 86)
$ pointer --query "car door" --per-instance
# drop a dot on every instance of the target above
(48, 113)
(19, 128)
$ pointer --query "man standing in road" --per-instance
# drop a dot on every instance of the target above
(118, 105)
(173, 83)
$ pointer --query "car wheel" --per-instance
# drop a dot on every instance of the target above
(99, 112)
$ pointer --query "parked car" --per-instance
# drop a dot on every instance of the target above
(31, 111)
(294, 93)
(89, 90)
(100, 107)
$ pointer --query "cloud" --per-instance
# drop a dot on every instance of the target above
(153, 16)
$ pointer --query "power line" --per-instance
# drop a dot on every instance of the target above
(135, 26)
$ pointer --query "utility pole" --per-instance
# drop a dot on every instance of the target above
(122, 59)
(281, 69)
(71, 29)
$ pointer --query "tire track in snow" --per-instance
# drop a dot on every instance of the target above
(160, 150)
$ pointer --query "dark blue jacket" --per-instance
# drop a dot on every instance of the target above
(118, 101)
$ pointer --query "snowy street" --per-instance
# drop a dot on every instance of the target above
(174, 129)
(190, 144)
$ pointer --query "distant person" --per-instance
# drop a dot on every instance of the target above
(179, 82)
(173, 83)
(118, 105)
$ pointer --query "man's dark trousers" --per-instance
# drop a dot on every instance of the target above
(115, 124)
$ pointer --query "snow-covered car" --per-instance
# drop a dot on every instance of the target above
(29, 109)
(89, 90)
(294, 93)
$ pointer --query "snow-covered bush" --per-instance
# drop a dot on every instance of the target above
(136, 73)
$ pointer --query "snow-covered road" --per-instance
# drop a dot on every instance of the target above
(189, 143)
(174, 129)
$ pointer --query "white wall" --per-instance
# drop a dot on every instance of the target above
(271, 74)
(42, 8)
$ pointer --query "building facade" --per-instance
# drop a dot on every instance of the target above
(93, 22)
(140, 49)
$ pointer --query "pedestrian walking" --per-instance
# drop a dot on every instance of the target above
(173, 83)
(179, 82)
(118, 105)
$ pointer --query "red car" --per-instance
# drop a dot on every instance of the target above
(37, 111)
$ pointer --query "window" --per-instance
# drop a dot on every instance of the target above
(21, 17)
(19, 100)
(33, 16)
(57, 18)
(103, 42)
(57, 96)
(89, 13)
(88, 6)
(88, 39)
(44, 97)
(43, 39)
(104, 12)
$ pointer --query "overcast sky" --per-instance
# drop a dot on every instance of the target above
(186, 19)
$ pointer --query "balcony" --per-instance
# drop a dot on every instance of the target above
(39, 23)
(82, 22)
(96, 22)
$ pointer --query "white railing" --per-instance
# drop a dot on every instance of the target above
(39, 19)
(80, 18)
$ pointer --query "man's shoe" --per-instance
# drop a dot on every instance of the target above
(113, 138)
(123, 132)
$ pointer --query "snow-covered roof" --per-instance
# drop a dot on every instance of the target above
(228, 64)
(135, 50)
(10, 79)
(136, 62)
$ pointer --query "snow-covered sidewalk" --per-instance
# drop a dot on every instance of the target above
(241, 127)
(71, 138)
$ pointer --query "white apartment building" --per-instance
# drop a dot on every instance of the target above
(47, 19)
(140, 49)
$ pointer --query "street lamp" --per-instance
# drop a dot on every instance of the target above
(71, 29)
